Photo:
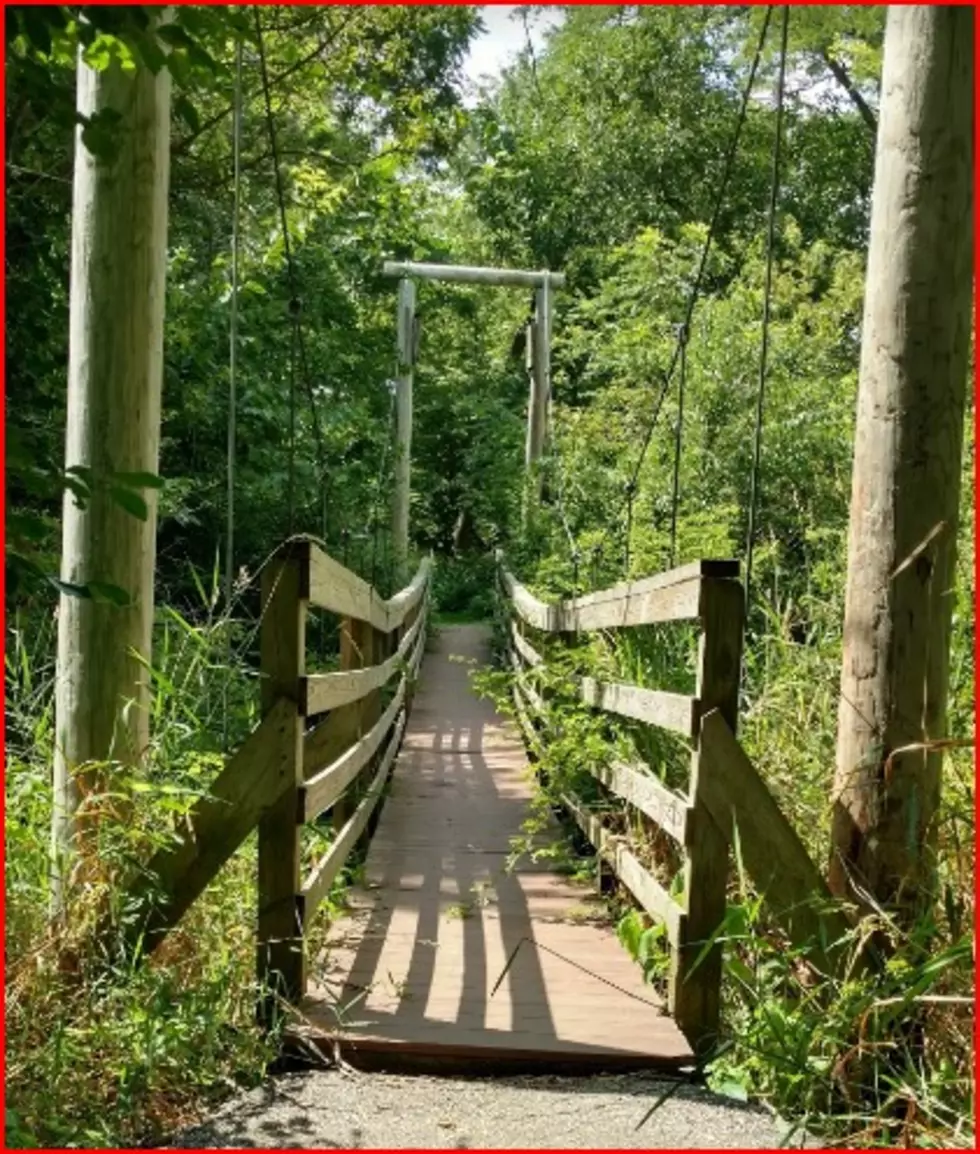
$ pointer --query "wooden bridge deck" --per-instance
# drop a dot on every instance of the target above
(408, 975)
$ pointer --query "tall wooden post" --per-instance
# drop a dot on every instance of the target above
(695, 986)
(539, 382)
(281, 963)
(115, 375)
(907, 458)
(403, 418)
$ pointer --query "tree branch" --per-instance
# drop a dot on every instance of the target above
(183, 145)
(842, 78)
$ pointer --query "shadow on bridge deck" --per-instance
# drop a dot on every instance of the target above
(410, 971)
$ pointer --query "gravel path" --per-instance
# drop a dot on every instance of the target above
(339, 1110)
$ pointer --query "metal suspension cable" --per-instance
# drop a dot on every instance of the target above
(233, 371)
(679, 433)
(295, 304)
(766, 305)
(703, 263)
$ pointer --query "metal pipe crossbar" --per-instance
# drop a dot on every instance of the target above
(518, 278)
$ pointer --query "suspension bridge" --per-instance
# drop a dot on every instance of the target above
(462, 943)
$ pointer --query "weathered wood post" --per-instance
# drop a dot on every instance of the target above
(539, 395)
(281, 961)
(403, 423)
(115, 376)
(695, 989)
(907, 478)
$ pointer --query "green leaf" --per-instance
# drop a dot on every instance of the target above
(139, 480)
(149, 51)
(68, 588)
(28, 526)
(100, 133)
(103, 591)
(731, 1089)
(187, 113)
(131, 501)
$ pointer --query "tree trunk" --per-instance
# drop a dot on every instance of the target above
(403, 429)
(906, 483)
(115, 368)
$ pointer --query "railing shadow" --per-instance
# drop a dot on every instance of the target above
(442, 849)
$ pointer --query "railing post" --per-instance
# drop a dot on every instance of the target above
(281, 963)
(360, 647)
(695, 989)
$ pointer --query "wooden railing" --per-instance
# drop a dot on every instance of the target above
(726, 798)
(708, 592)
(325, 742)
(322, 762)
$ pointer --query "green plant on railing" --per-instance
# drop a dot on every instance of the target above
(647, 944)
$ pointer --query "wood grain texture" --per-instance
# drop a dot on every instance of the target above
(322, 791)
(674, 711)
(672, 596)
(318, 884)
(281, 963)
(254, 778)
(115, 377)
(336, 589)
(695, 980)
(639, 881)
(741, 806)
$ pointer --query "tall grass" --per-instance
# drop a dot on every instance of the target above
(100, 1051)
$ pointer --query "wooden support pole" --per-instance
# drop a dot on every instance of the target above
(695, 980)
(403, 421)
(907, 479)
(281, 963)
(115, 376)
(539, 347)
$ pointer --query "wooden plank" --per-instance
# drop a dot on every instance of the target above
(324, 743)
(674, 711)
(673, 596)
(317, 885)
(668, 809)
(336, 589)
(773, 854)
(527, 726)
(280, 957)
(638, 880)
(359, 644)
(528, 653)
(253, 779)
(330, 690)
(322, 791)
(695, 979)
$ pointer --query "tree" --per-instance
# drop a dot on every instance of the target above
(115, 371)
(906, 480)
